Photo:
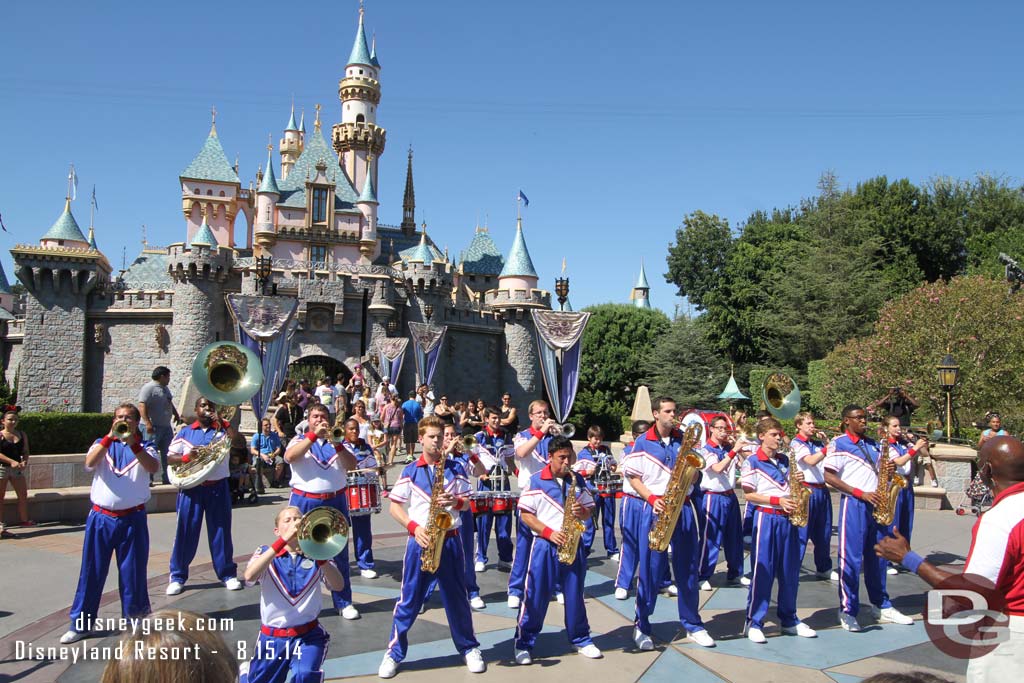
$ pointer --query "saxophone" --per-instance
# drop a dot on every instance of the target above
(798, 493)
(572, 527)
(889, 485)
(439, 521)
(687, 464)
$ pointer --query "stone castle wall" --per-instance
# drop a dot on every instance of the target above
(52, 371)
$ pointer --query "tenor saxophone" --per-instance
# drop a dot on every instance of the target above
(798, 493)
(572, 528)
(685, 469)
(889, 486)
(439, 521)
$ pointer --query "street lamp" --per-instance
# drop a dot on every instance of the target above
(428, 310)
(393, 325)
(264, 268)
(948, 372)
(562, 290)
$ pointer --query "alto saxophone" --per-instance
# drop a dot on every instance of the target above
(439, 521)
(798, 493)
(889, 486)
(687, 464)
(572, 528)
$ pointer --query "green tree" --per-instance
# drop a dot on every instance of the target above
(617, 340)
(684, 365)
(698, 258)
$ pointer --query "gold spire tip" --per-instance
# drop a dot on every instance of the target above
(317, 122)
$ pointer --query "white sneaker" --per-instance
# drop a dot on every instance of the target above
(614, 557)
(523, 657)
(388, 667)
(642, 640)
(232, 584)
(672, 590)
(744, 581)
(368, 574)
(513, 602)
(621, 594)
(174, 587)
(747, 540)
(848, 622)
(801, 629)
(72, 636)
(833, 575)
(755, 635)
(475, 661)
(479, 567)
(560, 598)
(477, 603)
(350, 612)
(702, 638)
(590, 651)
(892, 571)
(891, 615)
(705, 585)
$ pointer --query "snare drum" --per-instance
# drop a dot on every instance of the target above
(610, 488)
(505, 502)
(363, 495)
(481, 502)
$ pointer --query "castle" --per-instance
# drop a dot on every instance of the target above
(88, 340)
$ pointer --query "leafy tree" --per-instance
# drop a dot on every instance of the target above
(698, 258)
(617, 340)
(684, 365)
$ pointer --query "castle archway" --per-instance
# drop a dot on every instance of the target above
(315, 368)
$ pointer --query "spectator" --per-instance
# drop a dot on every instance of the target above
(445, 412)
(472, 422)
(355, 384)
(157, 408)
(385, 387)
(303, 394)
(509, 418)
(14, 455)
(325, 392)
(426, 399)
(896, 403)
(340, 397)
(363, 418)
(286, 417)
(412, 414)
(995, 428)
(392, 418)
(267, 452)
(460, 411)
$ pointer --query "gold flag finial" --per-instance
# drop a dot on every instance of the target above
(317, 122)
(213, 120)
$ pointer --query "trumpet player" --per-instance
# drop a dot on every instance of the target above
(210, 499)
(415, 489)
(319, 469)
(491, 438)
(121, 464)
(775, 551)
(362, 534)
(903, 450)
(649, 468)
(851, 467)
(291, 638)
(721, 525)
(595, 462)
(809, 450)
(542, 509)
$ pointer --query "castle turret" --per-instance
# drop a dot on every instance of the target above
(367, 204)
(266, 203)
(211, 190)
(641, 294)
(291, 144)
(409, 201)
(358, 138)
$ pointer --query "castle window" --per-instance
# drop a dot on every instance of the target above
(360, 72)
(196, 191)
(360, 118)
(222, 193)
(209, 193)
(318, 253)
(320, 205)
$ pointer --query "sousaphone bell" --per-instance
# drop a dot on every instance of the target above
(781, 396)
(227, 373)
(323, 533)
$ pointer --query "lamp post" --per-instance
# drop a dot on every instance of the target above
(562, 290)
(264, 268)
(393, 326)
(428, 311)
(948, 372)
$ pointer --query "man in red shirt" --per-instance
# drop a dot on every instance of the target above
(996, 554)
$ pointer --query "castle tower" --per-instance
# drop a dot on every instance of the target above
(409, 201)
(358, 140)
(291, 144)
(59, 275)
(6, 295)
(211, 191)
(367, 204)
(266, 203)
(641, 294)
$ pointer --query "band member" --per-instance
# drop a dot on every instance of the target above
(629, 517)
(748, 508)
(210, 499)
(903, 451)
(649, 468)
(775, 552)
(531, 456)
(597, 464)
(491, 438)
(415, 488)
(809, 452)
(291, 638)
(542, 509)
(362, 534)
(319, 470)
(720, 523)
(851, 467)
(121, 464)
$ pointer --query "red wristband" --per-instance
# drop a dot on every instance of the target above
(912, 452)
(774, 500)
(412, 526)
(732, 454)
(858, 494)
(136, 448)
(106, 441)
(652, 499)
(185, 458)
(473, 458)
(547, 533)
(279, 546)
(321, 563)
(311, 436)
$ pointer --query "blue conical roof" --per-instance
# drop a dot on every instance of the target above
(422, 253)
(518, 263)
(360, 51)
(291, 121)
(5, 287)
(732, 391)
(92, 239)
(269, 183)
(368, 195)
(204, 236)
(373, 52)
(641, 281)
(66, 227)
(482, 256)
(211, 163)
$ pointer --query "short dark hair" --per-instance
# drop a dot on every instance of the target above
(159, 371)
(656, 403)
(850, 409)
(488, 411)
(718, 418)
(595, 430)
(767, 424)
(132, 407)
(560, 443)
(319, 408)
(761, 414)
(639, 427)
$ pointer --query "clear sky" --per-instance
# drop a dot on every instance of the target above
(615, 118)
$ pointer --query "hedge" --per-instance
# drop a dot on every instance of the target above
(55, 433)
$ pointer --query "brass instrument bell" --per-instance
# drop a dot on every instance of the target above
(323, 533)
(121, 429)
(781, 396)
(227, 373)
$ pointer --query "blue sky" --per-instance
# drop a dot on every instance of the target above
(616, 119)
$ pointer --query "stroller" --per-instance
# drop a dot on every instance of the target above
(240, 477)
(980, 497)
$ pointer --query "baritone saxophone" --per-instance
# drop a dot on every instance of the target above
(889, 486)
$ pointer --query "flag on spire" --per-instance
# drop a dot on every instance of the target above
(2, 222)
(94, 204)
(72, 184)
(522, 198)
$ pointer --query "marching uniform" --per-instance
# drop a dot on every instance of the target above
(545, 499)
(854, 459)
(748, 509)
(594, 465)
(116, 524)
(362, 534)
(775, 548)
(212, 499)
(628, 518)
(319, 478)
(819, 507)
(414, 487)
(904, 517)
(528, 466)
(468, 525)
(497, 480)
(720, 523)
(652, 461)
(291, 638)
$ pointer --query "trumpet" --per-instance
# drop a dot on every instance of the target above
(568, 430)
(323, 533)
(121, 429)
(337, 433)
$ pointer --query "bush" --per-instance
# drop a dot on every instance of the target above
(55, 433)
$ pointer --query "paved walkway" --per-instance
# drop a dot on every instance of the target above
(40, 570)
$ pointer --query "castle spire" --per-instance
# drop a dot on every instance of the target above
(373, 51)
(291, 121)
(409, 201)
(269, 182)
(65, 229)
(641, 294)
(360, 52)
(519, 263)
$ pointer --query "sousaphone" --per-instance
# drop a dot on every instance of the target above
(781, 396)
